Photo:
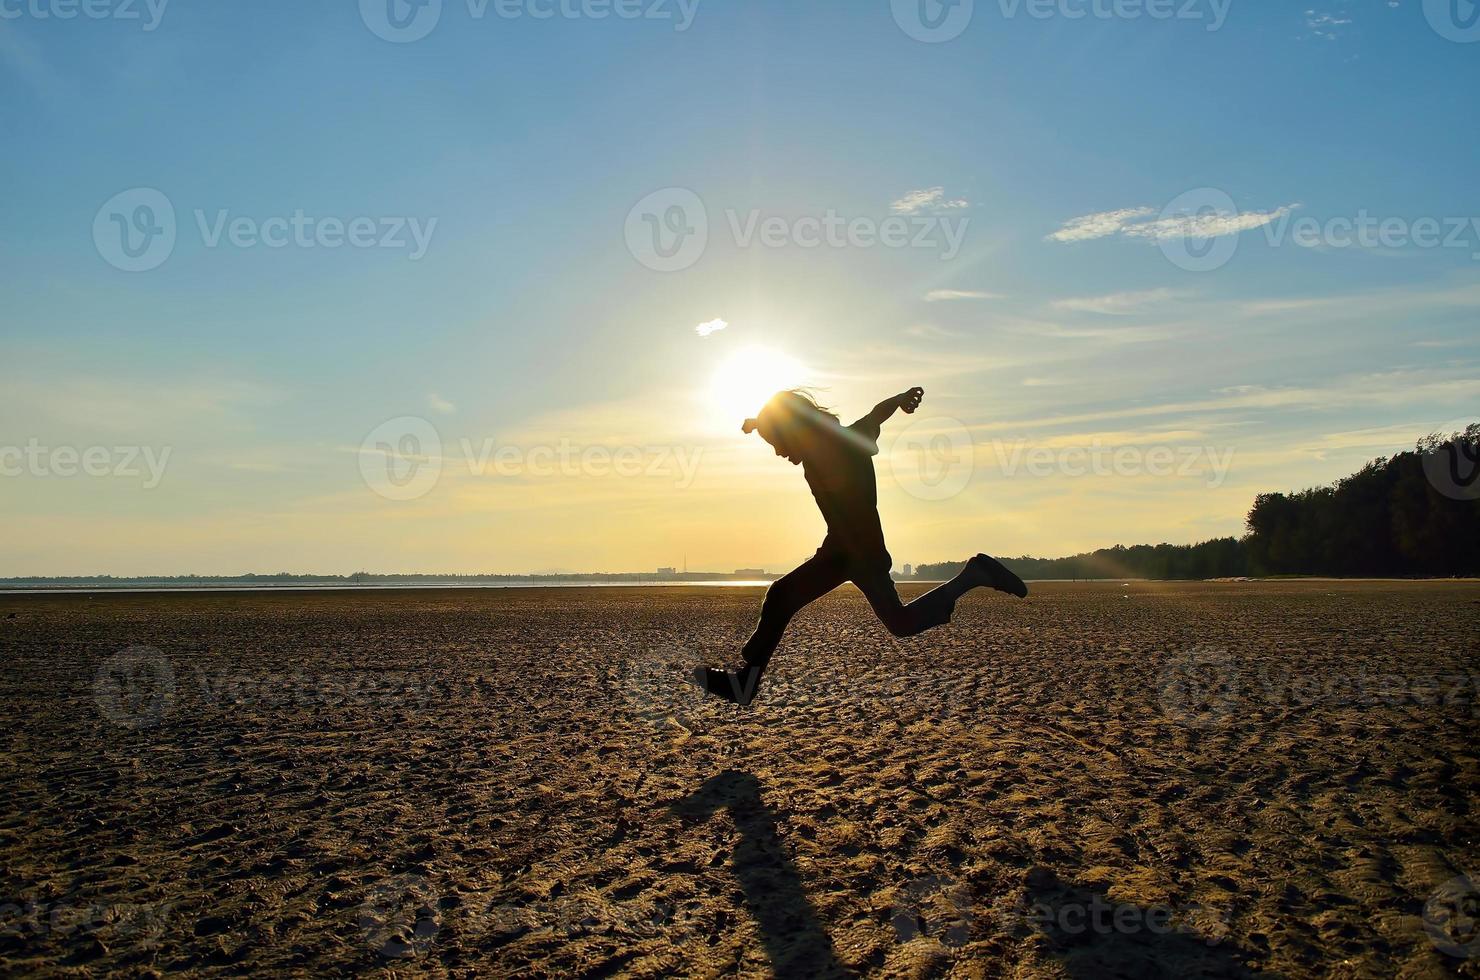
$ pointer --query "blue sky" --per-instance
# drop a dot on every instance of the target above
(519, 146)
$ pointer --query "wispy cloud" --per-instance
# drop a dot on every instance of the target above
(1388, 389)
(440, 405)
(1098, 225)
(1210, 225)
(931, 331)
(1325, 26)
(928, 200)
(947, 295)
(1117, 304)
(1111, 335)
(710, 327)
(1132, 223)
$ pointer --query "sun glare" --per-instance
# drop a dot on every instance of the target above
(747, 378)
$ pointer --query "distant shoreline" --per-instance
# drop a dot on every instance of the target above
(125, 588)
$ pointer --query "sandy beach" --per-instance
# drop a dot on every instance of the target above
(1149, 779)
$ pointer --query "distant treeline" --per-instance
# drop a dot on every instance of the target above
(1399, 516)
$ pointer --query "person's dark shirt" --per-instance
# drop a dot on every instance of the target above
(840, 473)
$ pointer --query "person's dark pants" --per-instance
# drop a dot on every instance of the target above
(829, 569)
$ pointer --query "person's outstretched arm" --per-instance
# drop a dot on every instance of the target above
(905, 401)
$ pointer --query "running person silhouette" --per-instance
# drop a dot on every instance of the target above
(837, 461)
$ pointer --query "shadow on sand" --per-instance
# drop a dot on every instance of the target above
(1087, 934)
(795, 941)
(1091, 936)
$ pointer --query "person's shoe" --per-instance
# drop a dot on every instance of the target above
(735, 686)
(993, 573)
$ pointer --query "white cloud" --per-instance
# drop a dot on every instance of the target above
(1214, 225)
(1130, 223)
(712, 326)
(928, 200)
(1117, 304)
(1098, 225)
(946, 295)
(440, 405)
(1324, 25)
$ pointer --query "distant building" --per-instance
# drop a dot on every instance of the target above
(750, 572)
(908, 570)
(667, 572)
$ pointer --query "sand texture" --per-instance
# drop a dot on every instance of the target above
(1222, 779)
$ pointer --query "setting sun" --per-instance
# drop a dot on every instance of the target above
(745, 379)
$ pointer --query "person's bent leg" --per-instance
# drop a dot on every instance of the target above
(932, 609)
(805, 584)
(935, 607)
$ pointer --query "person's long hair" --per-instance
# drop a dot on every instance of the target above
(793, 416)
